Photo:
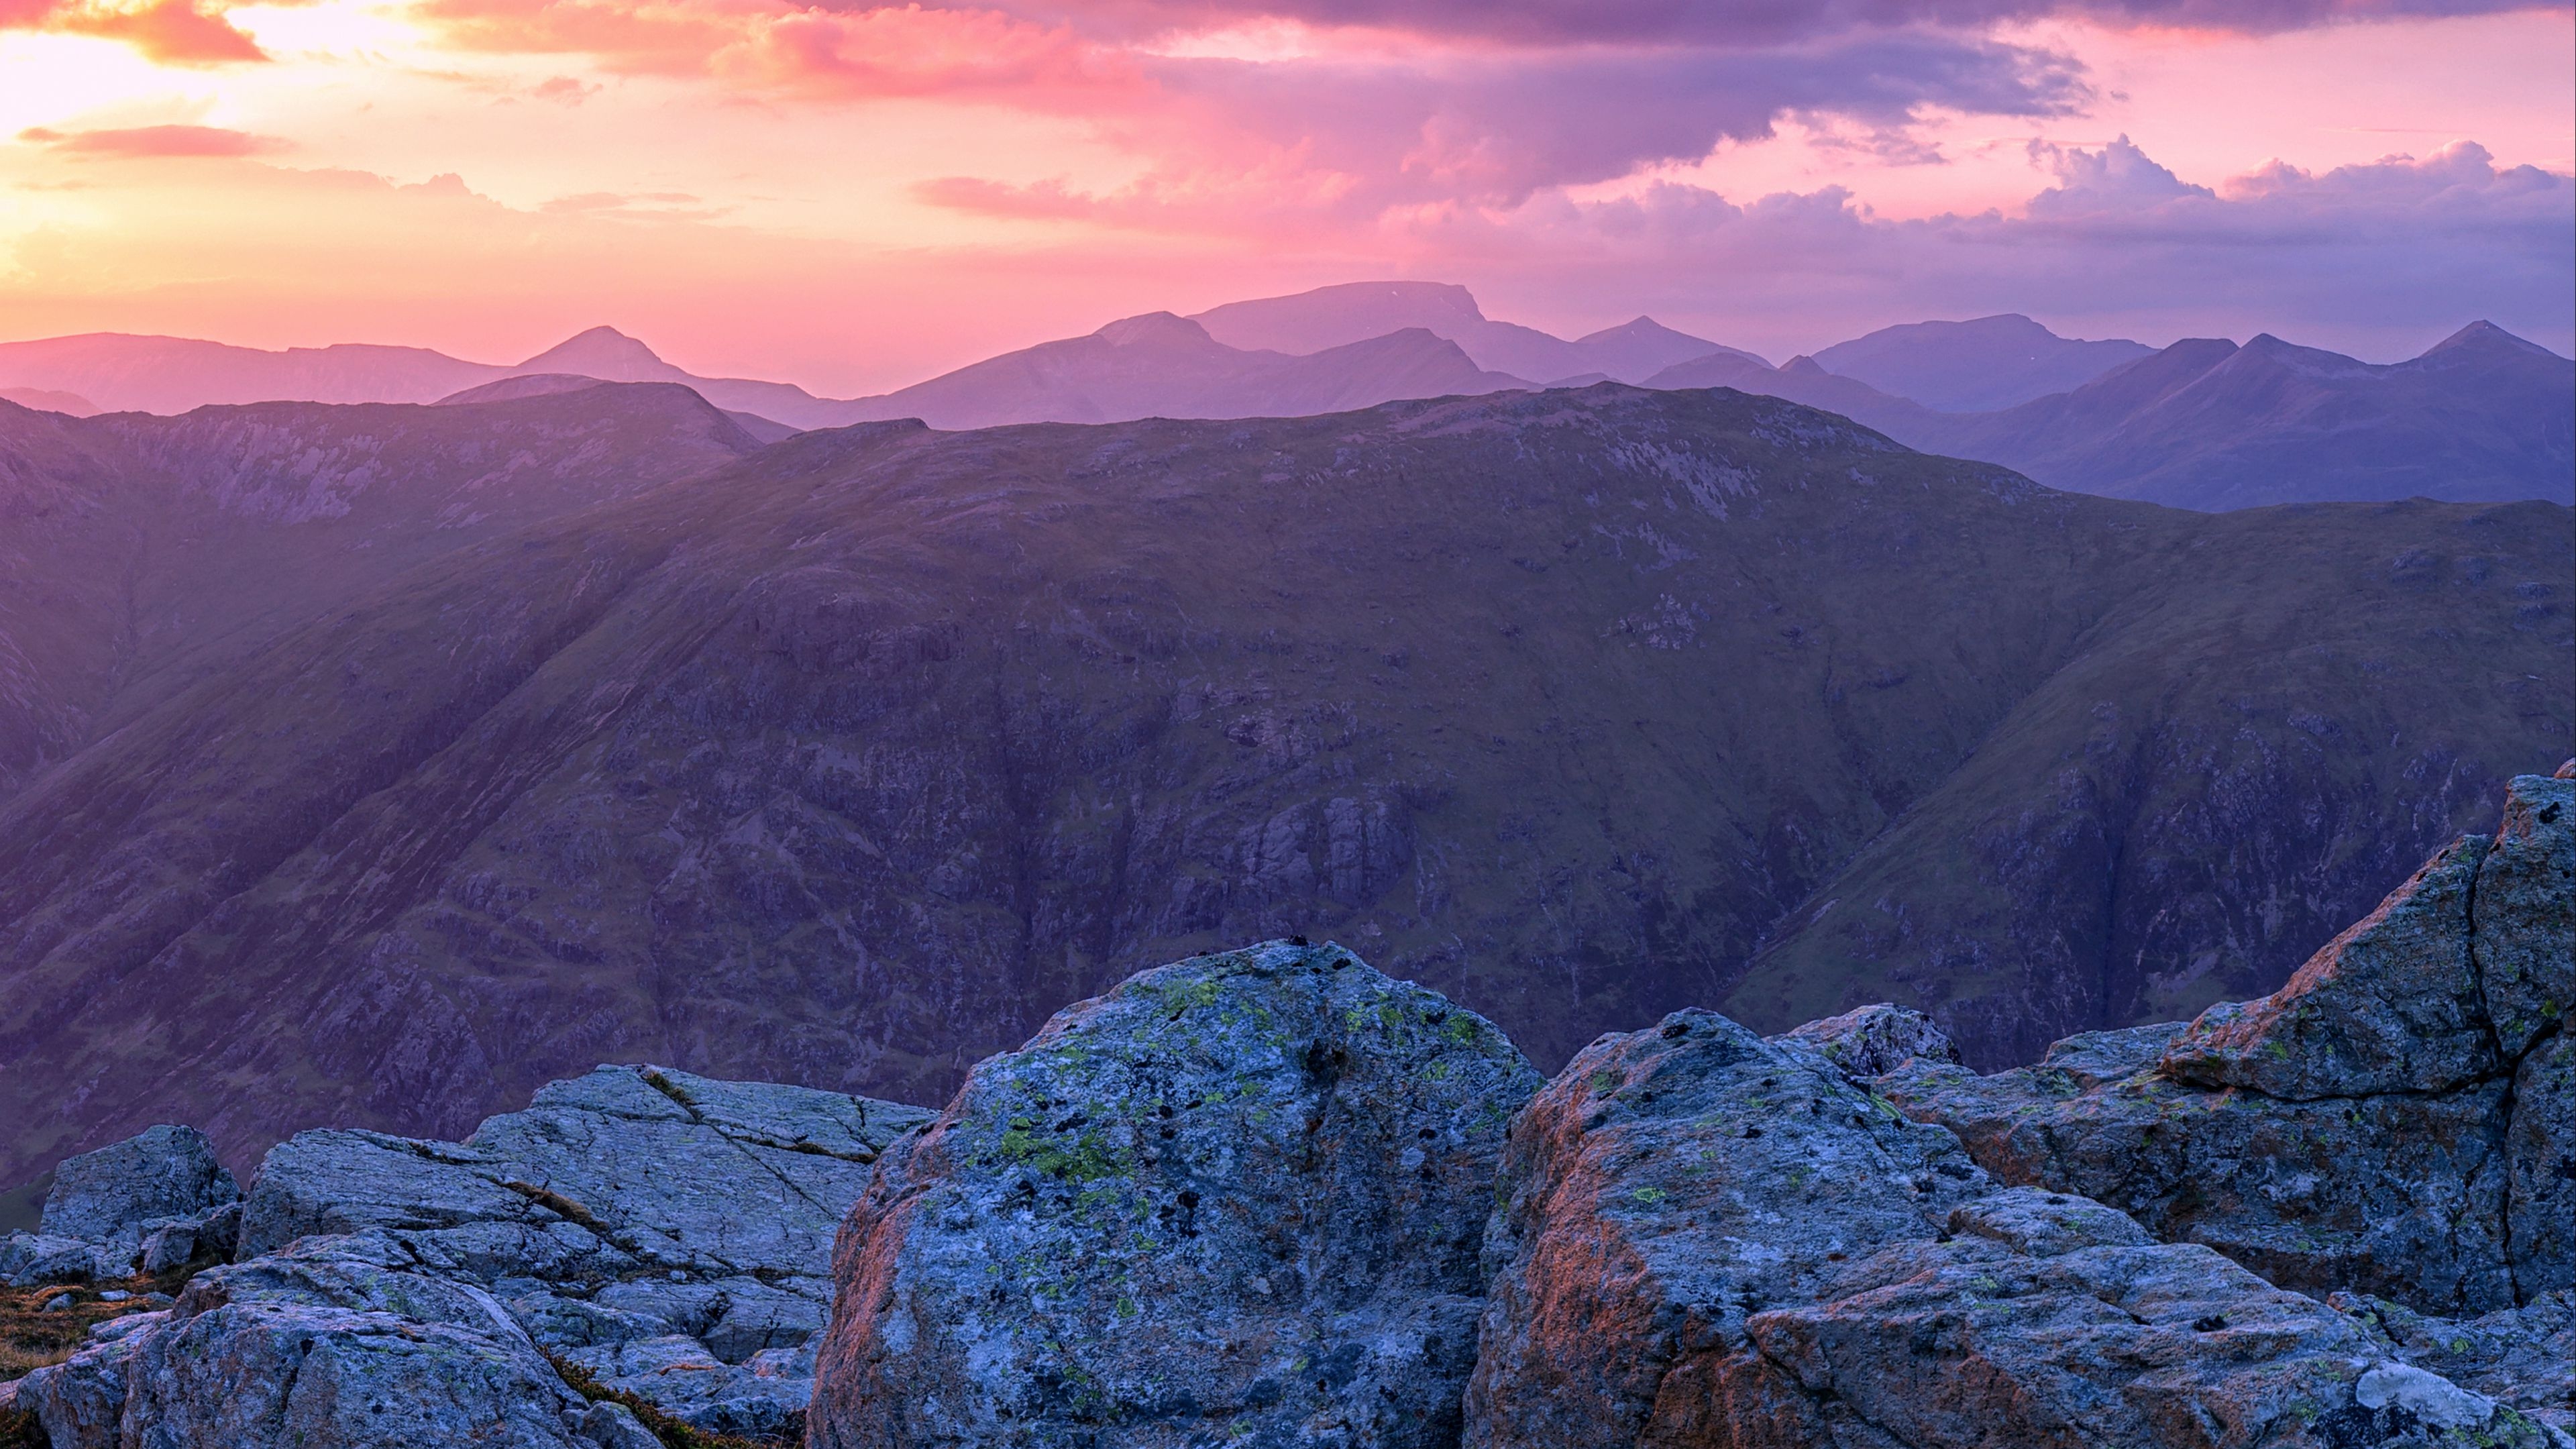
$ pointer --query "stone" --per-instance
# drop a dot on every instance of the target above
(631, 1205)
(2370, 1128)
(57, 1303)
(2540, 1167)
(30, 1259)
(2391, 1005)
(108, 1197)
(2399, 1195)
(310, 1348)
(611, 1425)
(2522, 1357)
(212, 1234)
(1239, 1199)
(2524, 931)
(395, 1292)
(1706, 1239)
(1876, 1040)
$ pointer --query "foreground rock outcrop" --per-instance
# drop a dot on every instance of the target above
(2399, 1120)
(1711, 1239)
(660, 1234)
(149, 1203)
(1239, 1200)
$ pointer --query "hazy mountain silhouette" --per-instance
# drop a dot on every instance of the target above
(2210, 425)
(1159, 365)
(1353, 311)
(849, 760)
(1980, 366)
(50, 401)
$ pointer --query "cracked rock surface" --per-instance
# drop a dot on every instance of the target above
(1236, 1201)
(667, 1234)
(2399, 1120)
(1707, 1239)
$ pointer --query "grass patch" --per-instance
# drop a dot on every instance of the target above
(674, 1433)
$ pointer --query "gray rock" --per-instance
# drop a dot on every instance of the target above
(30, 1259)
(765, 1397)
(2525, 930)
(2344, 1133)
(1706, 1238)
(633, 1205)
(311, 1347)
(2524, 1357)
(614, 1426)
(1239, 1199)
(2398, 1195)
(160, 1174)
(1875, 1040)
(2391, 1005)
(2540, 1164)
(2088, 1059)
(212, 1234)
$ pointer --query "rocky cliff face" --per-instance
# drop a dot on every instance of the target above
(1272, 1198)
(846, 765)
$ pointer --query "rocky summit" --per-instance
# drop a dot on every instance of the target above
(1273, 1198)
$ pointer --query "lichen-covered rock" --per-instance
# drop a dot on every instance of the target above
(1876, 1040)
(1239, 1199)
(1708, 1239)
(2373, 1127)
(159, 1173)
(2399, 1195)
(632, 1205)
(214, 1233)
(391, 1292)
(2391, 1005)
(1664, 1187)
(29, 1259)
(311, 1349)
(2540, 1165)
(2524, 929)
(2523, 1357)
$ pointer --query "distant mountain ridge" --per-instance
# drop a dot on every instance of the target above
(2202, 424)
(2205, 424)
(1336, 316)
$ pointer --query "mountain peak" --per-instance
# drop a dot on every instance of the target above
(2485, 336)
(604, 353)
(1152, 328)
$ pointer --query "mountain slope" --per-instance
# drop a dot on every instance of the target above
(1984, 365)
(138, 553)
(1159, 365)
(1354, 311)
(848, 763)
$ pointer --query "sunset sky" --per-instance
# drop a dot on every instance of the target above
(852, 197)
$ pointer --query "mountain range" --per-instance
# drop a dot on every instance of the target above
(2202, 424)
(396, 758)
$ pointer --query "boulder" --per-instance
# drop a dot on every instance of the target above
(30, 1259)
(110, 1197)
(632, 1206)
(2398, 1195)
(314, 1347)
(1706, 1238)
(667, 1234)
(1239, 1199)
(2377, 1126)
(2524, 1357)
(1876, 1040)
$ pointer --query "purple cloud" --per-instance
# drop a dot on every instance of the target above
(1725, 22)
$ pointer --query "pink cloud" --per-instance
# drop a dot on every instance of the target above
(177, 32)
(154, 141)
